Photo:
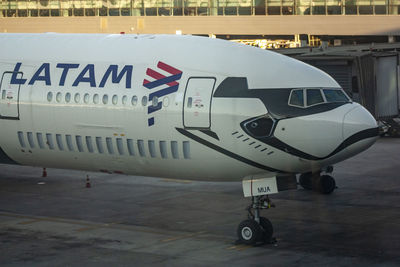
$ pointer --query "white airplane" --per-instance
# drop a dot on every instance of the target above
(176, 106)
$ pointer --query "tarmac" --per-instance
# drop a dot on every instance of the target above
(140, 221)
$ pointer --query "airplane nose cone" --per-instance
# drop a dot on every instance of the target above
(360, 130)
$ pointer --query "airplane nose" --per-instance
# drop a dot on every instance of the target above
(360, 129)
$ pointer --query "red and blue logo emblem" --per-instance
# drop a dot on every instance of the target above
(163, 82)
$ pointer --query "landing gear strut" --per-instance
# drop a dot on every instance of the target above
(324, 184)
(256, 229)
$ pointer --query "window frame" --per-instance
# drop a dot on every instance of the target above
(319, 103)
(349, 100)
(304, 98)
(321, 89)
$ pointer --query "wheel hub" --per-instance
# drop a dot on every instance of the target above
(247, 233)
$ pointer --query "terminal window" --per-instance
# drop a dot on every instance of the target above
(65, 8)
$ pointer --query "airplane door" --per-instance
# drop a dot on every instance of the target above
(9, 97)
(197, 102)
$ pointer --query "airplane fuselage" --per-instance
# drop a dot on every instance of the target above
(171, 106)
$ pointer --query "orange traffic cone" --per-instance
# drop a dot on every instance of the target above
(44, 172)
(88, 182)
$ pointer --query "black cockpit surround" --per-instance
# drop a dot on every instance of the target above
(275, 100)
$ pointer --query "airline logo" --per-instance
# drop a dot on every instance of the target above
(87, 75)
(160, 85)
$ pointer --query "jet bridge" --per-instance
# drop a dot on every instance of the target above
(369, 74)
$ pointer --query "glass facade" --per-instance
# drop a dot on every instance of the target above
(56, 8)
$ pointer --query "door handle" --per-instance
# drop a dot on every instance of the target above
(189, 103)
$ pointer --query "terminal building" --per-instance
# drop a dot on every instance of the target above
(334, 21)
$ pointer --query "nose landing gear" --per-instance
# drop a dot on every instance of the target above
(256, 229)
(324, 184)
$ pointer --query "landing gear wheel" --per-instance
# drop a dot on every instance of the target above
(327, 184)
(249, 232)
(305, 180)
(267, 228)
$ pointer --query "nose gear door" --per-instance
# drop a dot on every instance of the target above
(197, 102)
(9, 97)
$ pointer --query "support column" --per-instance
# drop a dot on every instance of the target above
(304, 40)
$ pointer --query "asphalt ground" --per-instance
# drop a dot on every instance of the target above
(140, 221)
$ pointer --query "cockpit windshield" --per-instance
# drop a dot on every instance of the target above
(335, 95)
(304, 98)
(283, 102)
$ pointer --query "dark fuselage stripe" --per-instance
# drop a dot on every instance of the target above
(4, 158)
(225, 152)
(278, 144)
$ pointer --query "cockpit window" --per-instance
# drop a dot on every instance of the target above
(314, 97)
(335, 95)
(297, 98)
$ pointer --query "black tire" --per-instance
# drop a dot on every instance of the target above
(305, 180)
(249, 232)
(327, 184)
(267, 228)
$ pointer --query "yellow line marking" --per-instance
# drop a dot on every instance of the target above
(238, 247)
(31, 221)
(243, 248)
(168, 180)
(182, 236)
(92, 227)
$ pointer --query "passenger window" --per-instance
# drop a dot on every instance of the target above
(110, 146)
(120, 146)
(165, 101)
(49, 96)
(155, 101)
(77, 98)
(174, 149)
(89, 144)
(79, 143)
(105, 99)
(68, 138)
(335, 95)
(152, 149)
(124, 99)
(163, 149)
(297, 98)
(39, 137)
(96, 99)
(134, 100)
(115, 99)
(99, 145)
(67, 97)
(186, 149)
(314, 97)
(86, 98)
(131, 151)
(58, 97)
(144, 101)
(30, 140)
(59, 142)
(21, 139)
(140, 144)
(49, 141)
